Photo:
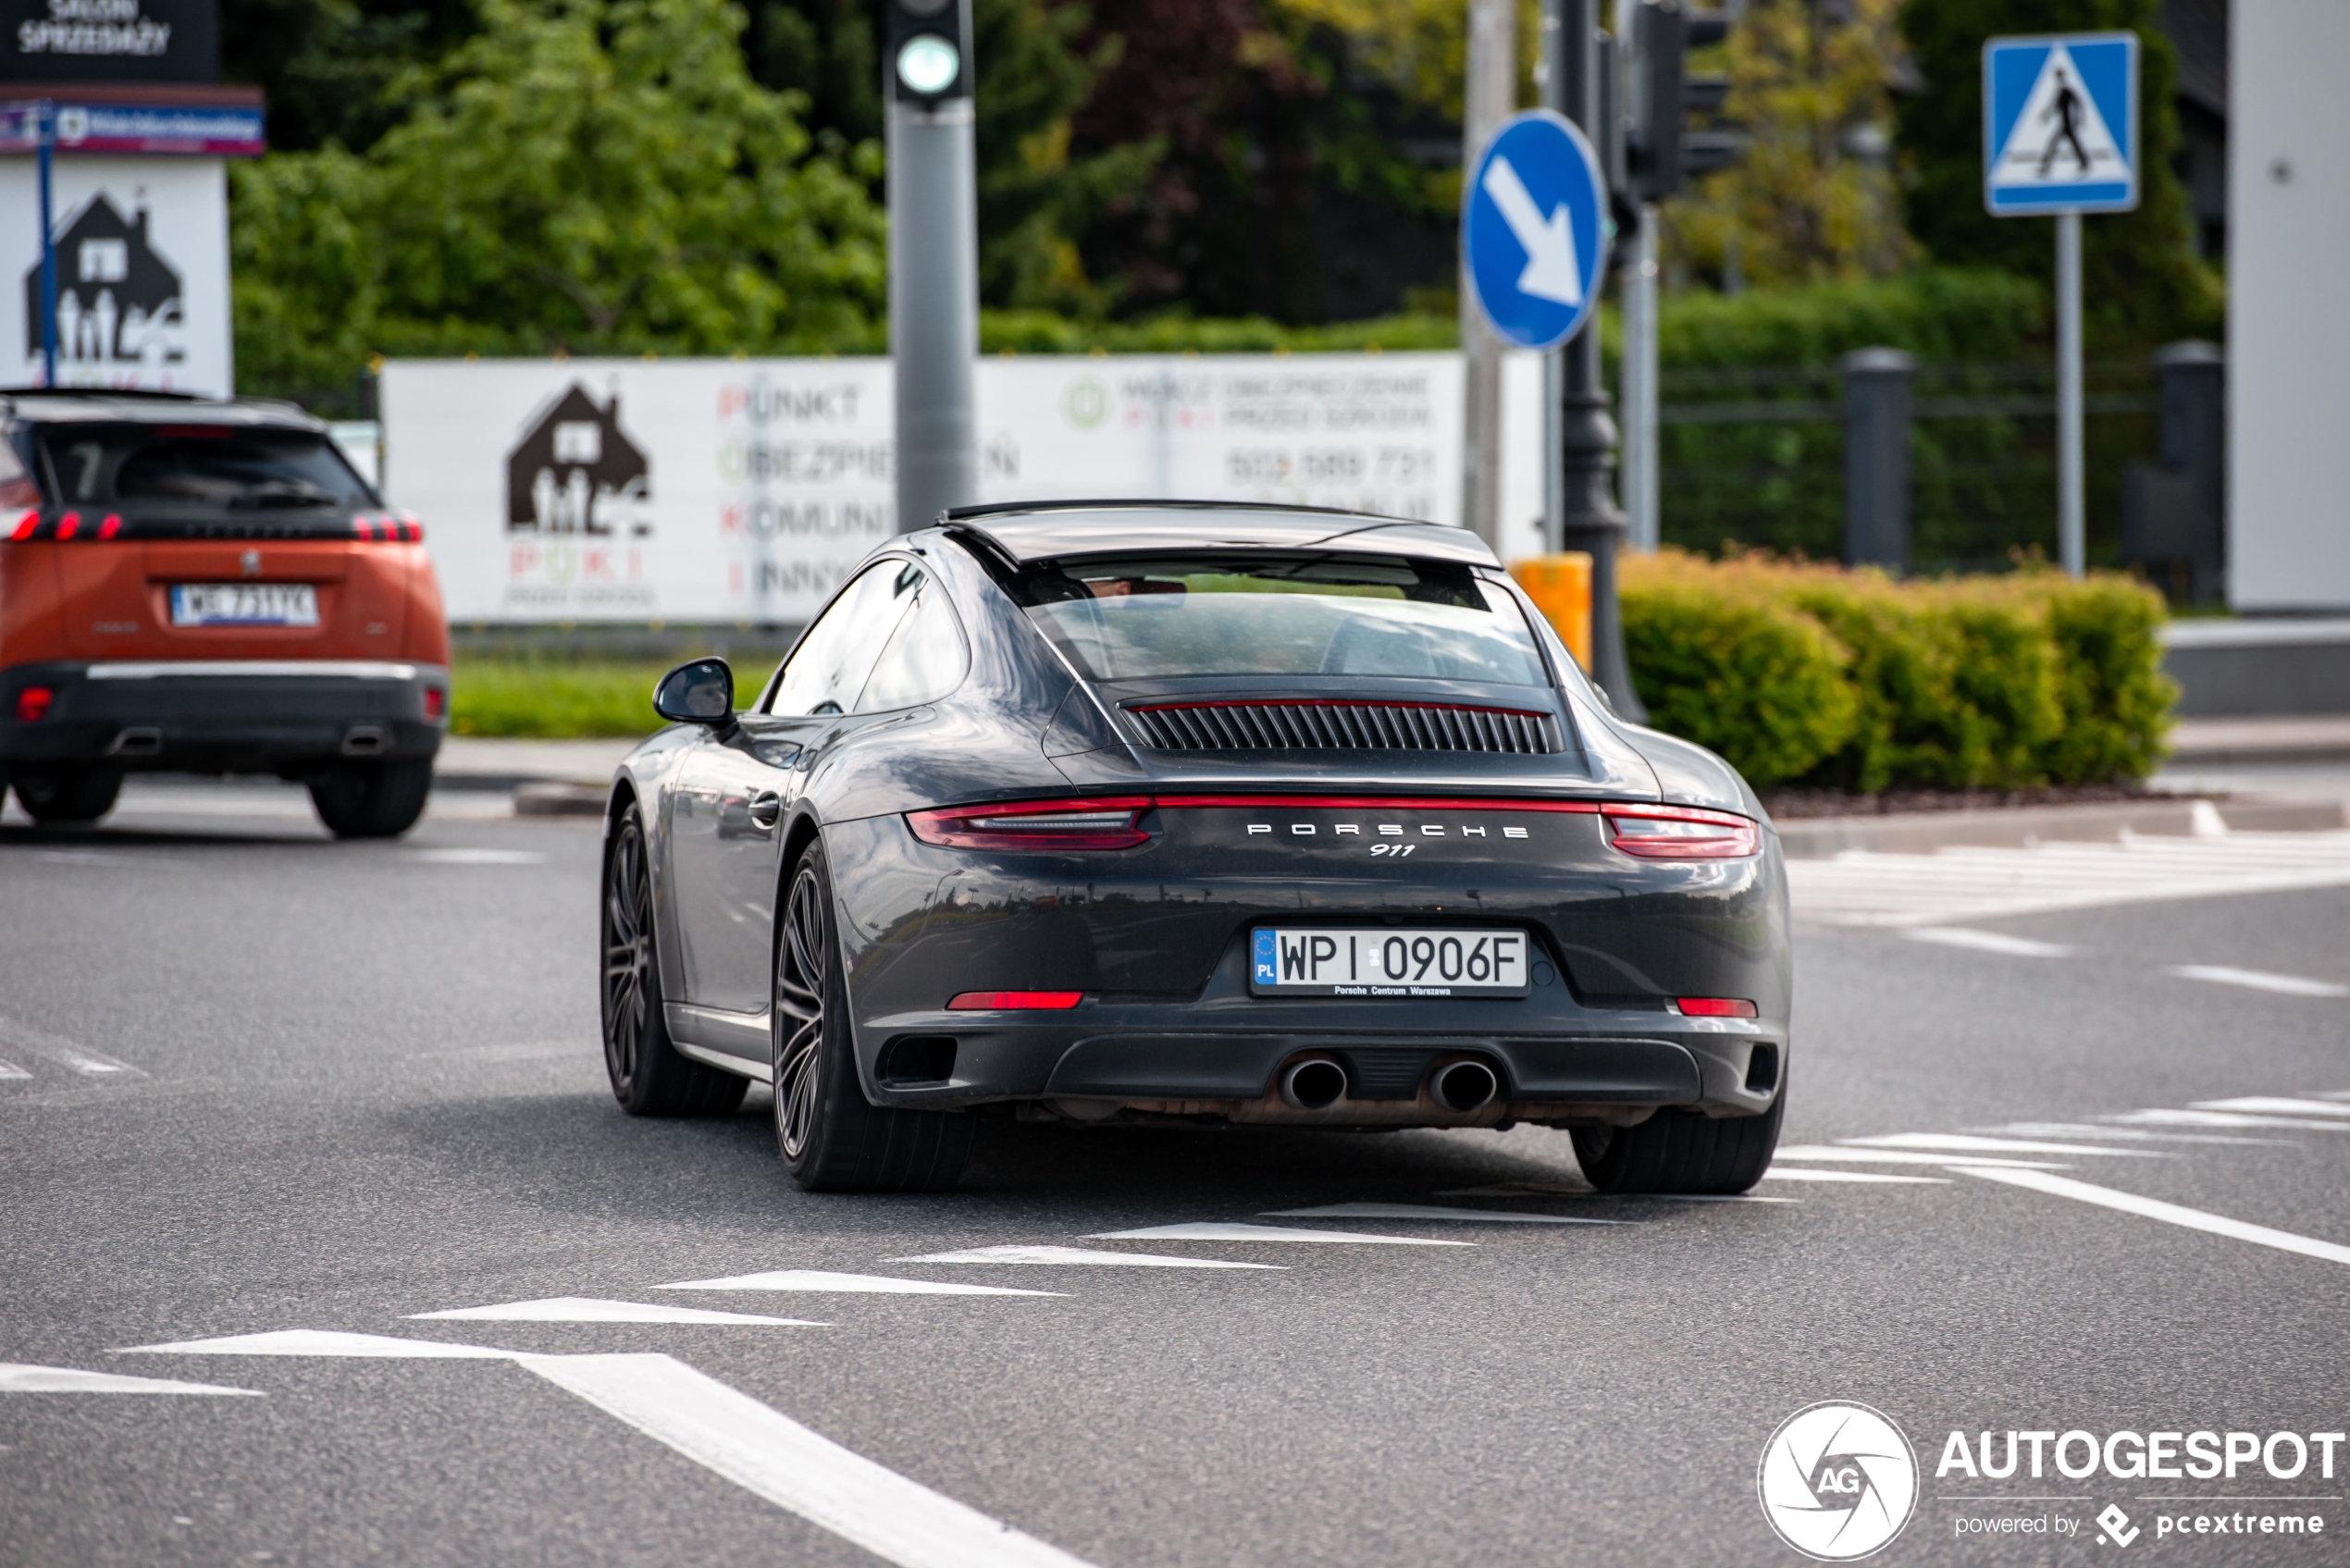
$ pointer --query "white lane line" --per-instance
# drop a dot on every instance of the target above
(478, 857)
(1211, 1231)
(10, 1069)
(2164, 1117)
(1794, 1174)
(18, 1378)
(70, 1054)
(1969, 1144)
(323, 1341)
(1988, 942)
(2082, 1130)
(2259, 979)
(1432, 1211)
(2170, 1214)
(1815, 1153)
(854, 1284)
(2267, 1105)
(1074, 1255)
(765, 1451)
(588, 1309)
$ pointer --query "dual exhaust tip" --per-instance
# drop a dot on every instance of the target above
(1316, 1083)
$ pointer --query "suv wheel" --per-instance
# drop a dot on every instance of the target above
(833, 1138)
(1681, 1152)
(69, 795)
(372, 799)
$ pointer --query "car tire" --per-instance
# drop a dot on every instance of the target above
(832, 1138)
(1681, 1152)
(649, 1076)
(372, 799)
(69, 796)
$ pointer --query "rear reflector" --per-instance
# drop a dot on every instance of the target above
(32, 704)
(1681, 832)
(1714, 1007)
(435, 702)
(1035, 825)
(1015, 1001)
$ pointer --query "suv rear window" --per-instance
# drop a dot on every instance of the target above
(1262, 614)
(199, 467)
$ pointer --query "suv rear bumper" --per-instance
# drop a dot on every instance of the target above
(289, 716)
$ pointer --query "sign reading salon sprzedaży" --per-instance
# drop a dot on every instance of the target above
(742, 490)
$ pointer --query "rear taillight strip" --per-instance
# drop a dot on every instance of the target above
(32, 525)
(1636, 828)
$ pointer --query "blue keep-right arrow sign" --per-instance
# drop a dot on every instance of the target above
(1533, 230)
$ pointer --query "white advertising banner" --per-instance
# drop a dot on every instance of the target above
(741, 492)
(142, 272)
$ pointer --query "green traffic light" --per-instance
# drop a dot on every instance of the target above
(928, 64)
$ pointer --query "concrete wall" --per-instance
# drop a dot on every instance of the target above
(2289, 306)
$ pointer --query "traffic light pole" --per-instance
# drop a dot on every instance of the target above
(933, 257)
(1582, 434)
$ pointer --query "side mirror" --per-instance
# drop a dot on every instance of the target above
(702, 692)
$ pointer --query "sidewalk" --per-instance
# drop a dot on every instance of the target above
(2279, 738)
(491, 762)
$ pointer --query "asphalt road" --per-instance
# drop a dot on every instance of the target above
(259, 1082)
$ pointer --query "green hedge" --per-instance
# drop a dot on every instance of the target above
(548, 698)
(1817, 675)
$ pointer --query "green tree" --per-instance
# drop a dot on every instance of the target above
(2141, 283)
(1812, 200)
(582, 176)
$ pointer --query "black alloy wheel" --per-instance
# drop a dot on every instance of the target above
(1681, 1152)
(832, 1138)
(648, 1076)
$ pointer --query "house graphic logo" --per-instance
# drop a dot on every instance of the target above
(118, 301)
(576, 472)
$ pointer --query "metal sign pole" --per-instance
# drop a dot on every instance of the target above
(45, 130)
(2071, 512)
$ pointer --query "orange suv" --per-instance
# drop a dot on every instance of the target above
(203, 586)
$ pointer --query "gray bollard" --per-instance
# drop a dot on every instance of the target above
(2174, 512)
(1876, 457)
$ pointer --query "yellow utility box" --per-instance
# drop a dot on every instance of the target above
(1560, 587)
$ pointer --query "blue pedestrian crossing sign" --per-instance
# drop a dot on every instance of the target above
(1534, 229)
(2060, 124)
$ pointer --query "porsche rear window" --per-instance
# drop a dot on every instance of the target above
(1152, 617)
(209, 467)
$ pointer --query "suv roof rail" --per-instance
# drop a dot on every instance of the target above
(100, 393)
(1001, 507)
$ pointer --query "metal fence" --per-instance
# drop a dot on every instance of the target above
(1755, 458)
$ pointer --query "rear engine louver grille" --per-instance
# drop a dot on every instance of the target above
(1365, 726)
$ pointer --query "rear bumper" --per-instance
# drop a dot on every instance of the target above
(240, 716)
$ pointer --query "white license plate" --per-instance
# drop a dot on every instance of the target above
(244, 604)
(1388, 961)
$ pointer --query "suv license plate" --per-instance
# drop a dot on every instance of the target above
(1387, 962)
(244, 604)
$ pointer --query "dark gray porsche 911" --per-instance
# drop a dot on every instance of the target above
(1116, 811)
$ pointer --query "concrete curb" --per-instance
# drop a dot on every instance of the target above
(1913, 832)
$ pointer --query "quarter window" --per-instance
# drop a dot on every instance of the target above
(925, 660)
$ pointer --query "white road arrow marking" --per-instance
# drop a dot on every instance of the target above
(323, 1341)
(1814, 1154)
(1791, 1174)
(2170, 1214)
(1075, 1255)
(2259, 980)
(856, 1284)
(1968, 1144)
(1431, 1211)
(1211, 1231)
(1550, 270)
(18, 1379)
(2258, 1103)
(765, 1451)
(586, 1309)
